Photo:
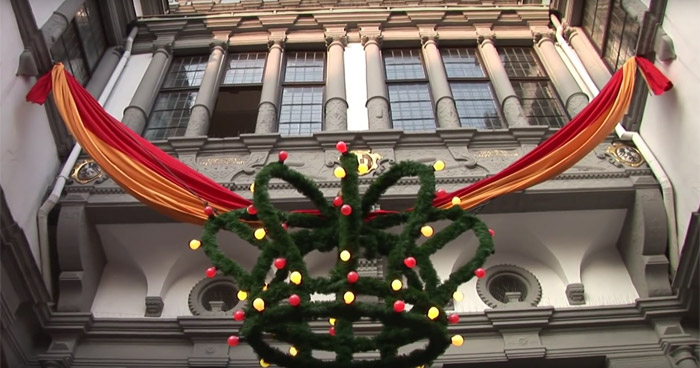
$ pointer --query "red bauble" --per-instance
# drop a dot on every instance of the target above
(353, 277)
(285, 226)
(239, 315)
(209, 211)
(211, 271)
(479, 272)
(399, 306)
(294, 300)
(492, 232)
(338, 201)
(346, 209)
(441, 193)
(283, 155)
(252, 210)
(280, 263)
(410, 262)
(331, 331)
(453, 318)
(233, 340)
(342, 147)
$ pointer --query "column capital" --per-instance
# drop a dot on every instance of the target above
(542, 34)
(371, 35)
(277, 37)
(164, 47)
(485, 35)
(570, 32)
(428, 35)
(336, 35)
(218, 43)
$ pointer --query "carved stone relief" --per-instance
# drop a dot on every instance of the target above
(336, 115)
(267, 118)
(378, 113)
(575, 294)
(447, 114)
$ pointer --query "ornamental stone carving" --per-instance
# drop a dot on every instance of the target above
(336, 115)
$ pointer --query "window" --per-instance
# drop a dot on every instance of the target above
(409, 97)
(531, 84)
(301, 110)
(612, 30)
(213, 296)
(507, 285)
(82, 44)
(236, 107)
(172, 108)
(471, 89)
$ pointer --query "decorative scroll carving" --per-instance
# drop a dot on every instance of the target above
(461, 153)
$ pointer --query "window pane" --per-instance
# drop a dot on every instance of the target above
(304, 67)
(186, 71)
(67, 50)
(520, 62)
(461, 63)
(170, 115)
(92, 37)
(475, 105)
(301, 110)
(628, 46)
(540, 105)
(403, 65)
(612, 47)
(411, 108)
(601, 20)
(245, 68)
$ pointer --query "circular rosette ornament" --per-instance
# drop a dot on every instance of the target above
(413, 297)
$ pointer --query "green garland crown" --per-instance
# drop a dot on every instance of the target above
(283, 309)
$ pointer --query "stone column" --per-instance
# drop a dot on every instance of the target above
(509, 101)
(683, 357)
(206, 96)
(105, 69)
(569, 91)
(269, 98)
(588, 56)
(447, 116)
(336, 106)
(377, 95)
(136, 114)
(59, 21)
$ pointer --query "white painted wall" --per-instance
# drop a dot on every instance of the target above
(127, 84)
(356, 86)
(43, 9)
(670, 125)
(28, 160)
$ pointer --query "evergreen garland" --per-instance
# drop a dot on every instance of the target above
(334, 231)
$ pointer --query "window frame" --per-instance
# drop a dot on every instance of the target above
(605, 40)
(484, 80)
(417, 81)
(543, 77)
(284, 85)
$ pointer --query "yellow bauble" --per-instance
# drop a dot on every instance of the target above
(439, 165)
(345, 256)
(260, 233)
(293, 351)
(458, 296)
(252, 188)
(362, 169)
(242, 295)
(349, 297)
(259, 304)
(396, 285)
(331, 321)
(295, 277)
(433, 313)
(264, 288)
(264, 364)
(339, 172)
(457, 340)
(456, 201)
(427, 231)
(195, 244)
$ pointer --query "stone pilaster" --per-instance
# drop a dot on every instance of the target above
(509, 101)
(447, 116)
(377, 95)
(575, 100)
(336, 105)
(136, 114)
(206, 97)
(588, 56)
(269, 98)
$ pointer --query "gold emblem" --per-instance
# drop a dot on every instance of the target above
(86, 171)
(371, 160)
(625, 154)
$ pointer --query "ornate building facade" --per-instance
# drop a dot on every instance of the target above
(596, 268)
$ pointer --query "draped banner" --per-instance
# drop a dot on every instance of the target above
(168, 185)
